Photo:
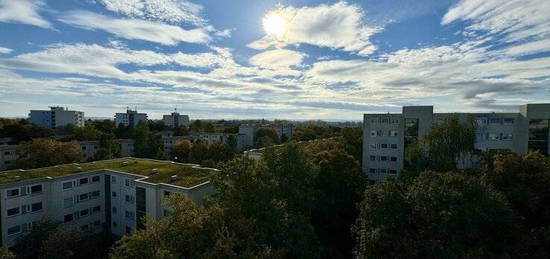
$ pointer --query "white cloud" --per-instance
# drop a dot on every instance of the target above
(137, 29)
(23, 11)
(5, 50)
(174, 11)
(517, 19)
(338, 26)
(529, 48)
(278, 58)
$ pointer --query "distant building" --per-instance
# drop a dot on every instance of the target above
(56, 117)
(249, 132)
(130, 119)
(8, 155)
(284, 131)
(386, 136)
(175, 120)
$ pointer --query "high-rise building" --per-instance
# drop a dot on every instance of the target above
(387, 136)
(56, 117)
(130, 119)
(88, 197)
(175, 120)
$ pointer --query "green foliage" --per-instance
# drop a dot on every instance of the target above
(181, 151)
(266, 137)
(42, 152)
(21, 130)
(199, 152)
(109, 147)
(147, 144)
(88, 132)
(442, 146)
(437, 216)
(5, 253)
(311, 132)
(200, 126)
(525, 182)
(181, 131)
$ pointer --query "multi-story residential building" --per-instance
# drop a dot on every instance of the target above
(249, 132)
(109, 195)
(56, 117)
(8, 155)
(175, 120)
(386, 136)
(235, 140)
(284, 131)
(130, 119)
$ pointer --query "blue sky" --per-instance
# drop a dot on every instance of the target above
(272, 59)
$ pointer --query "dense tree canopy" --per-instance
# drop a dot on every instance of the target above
(266, 137)
(42, 152)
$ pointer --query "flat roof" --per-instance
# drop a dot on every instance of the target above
(188, 174)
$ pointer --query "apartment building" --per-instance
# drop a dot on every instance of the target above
(56, 117)
(109, 195)
(8, 155)
(284, 131)
(175, 120)
(131, 118)
(386, 136)
(236, 140)
(249, 132)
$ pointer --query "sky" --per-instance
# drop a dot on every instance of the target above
(297, 60)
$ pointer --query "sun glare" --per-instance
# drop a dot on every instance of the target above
(274, 24)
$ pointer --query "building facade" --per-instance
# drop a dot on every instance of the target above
(94, 201)
(130, 119)
(386, 136)
(175, 120)
(8, 155)
(56, 117)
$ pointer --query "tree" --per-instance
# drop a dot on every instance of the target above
(219, 152)
(88, 132)
(109, 147)
(148, 144)
(437, 215)
(181, 151)
(199, 152)
(524, 180)
(5, 253)
(353, 142)
(181, 131)
(21, 130)
(443, 145)
(47, 152)
(267, 136)
(196, 125)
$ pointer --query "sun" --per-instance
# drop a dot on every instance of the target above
(274, 24)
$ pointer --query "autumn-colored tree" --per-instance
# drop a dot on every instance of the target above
(199, 152)
(43, 152)
(266, 137)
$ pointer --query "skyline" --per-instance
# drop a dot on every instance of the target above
(275, 59)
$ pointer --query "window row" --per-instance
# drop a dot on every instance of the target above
(383, 158)
(81, 214)
(88, 227)
(70, 201)
(34, 207)
(382, 171)
(81, 181)
(495, 121)
(383, 146)
(24, 190)
(384, 120)
(22, 228)
(383, 133)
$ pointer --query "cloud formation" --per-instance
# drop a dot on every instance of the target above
(5, 50)
(339, 26)
(173, 11)
(137, 29)
(23, 11)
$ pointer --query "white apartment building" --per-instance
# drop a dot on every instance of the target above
(175, 120)
(8, 155)
(224, 138)
(249, 132)
(56, 117)
(386, 136)
(97, 200)
(130, 119)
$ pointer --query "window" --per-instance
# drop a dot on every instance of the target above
(13, 192)
(113, 179)
(84, 213)
(507, 136)
(129, 215)
(36, 207)
(36, 188)
(94, 194)
(14, 230)
(380, 133)
(166, 193)
(394, 121)
(114, 224)
(96, 209)
(393, 146)
(383, 171)
(67, 185)
(372, 146)
(83, 197)
(82, 181)
(127, 182)
(494, 121)
(393, 171)
(372, 170)
(373, 133)
(393, 133)
(128, 230)
(372, 158)
(83, 147)
(14, 211)
(129, 199)
(393, 158)
(68, 218)
(508, 121)
(384, 146)
(68, 202)
(493, 136)
(166, 212)
(384, 158)
(114, 194)
(95, 178)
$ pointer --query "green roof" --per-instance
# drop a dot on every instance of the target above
(188, 175)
